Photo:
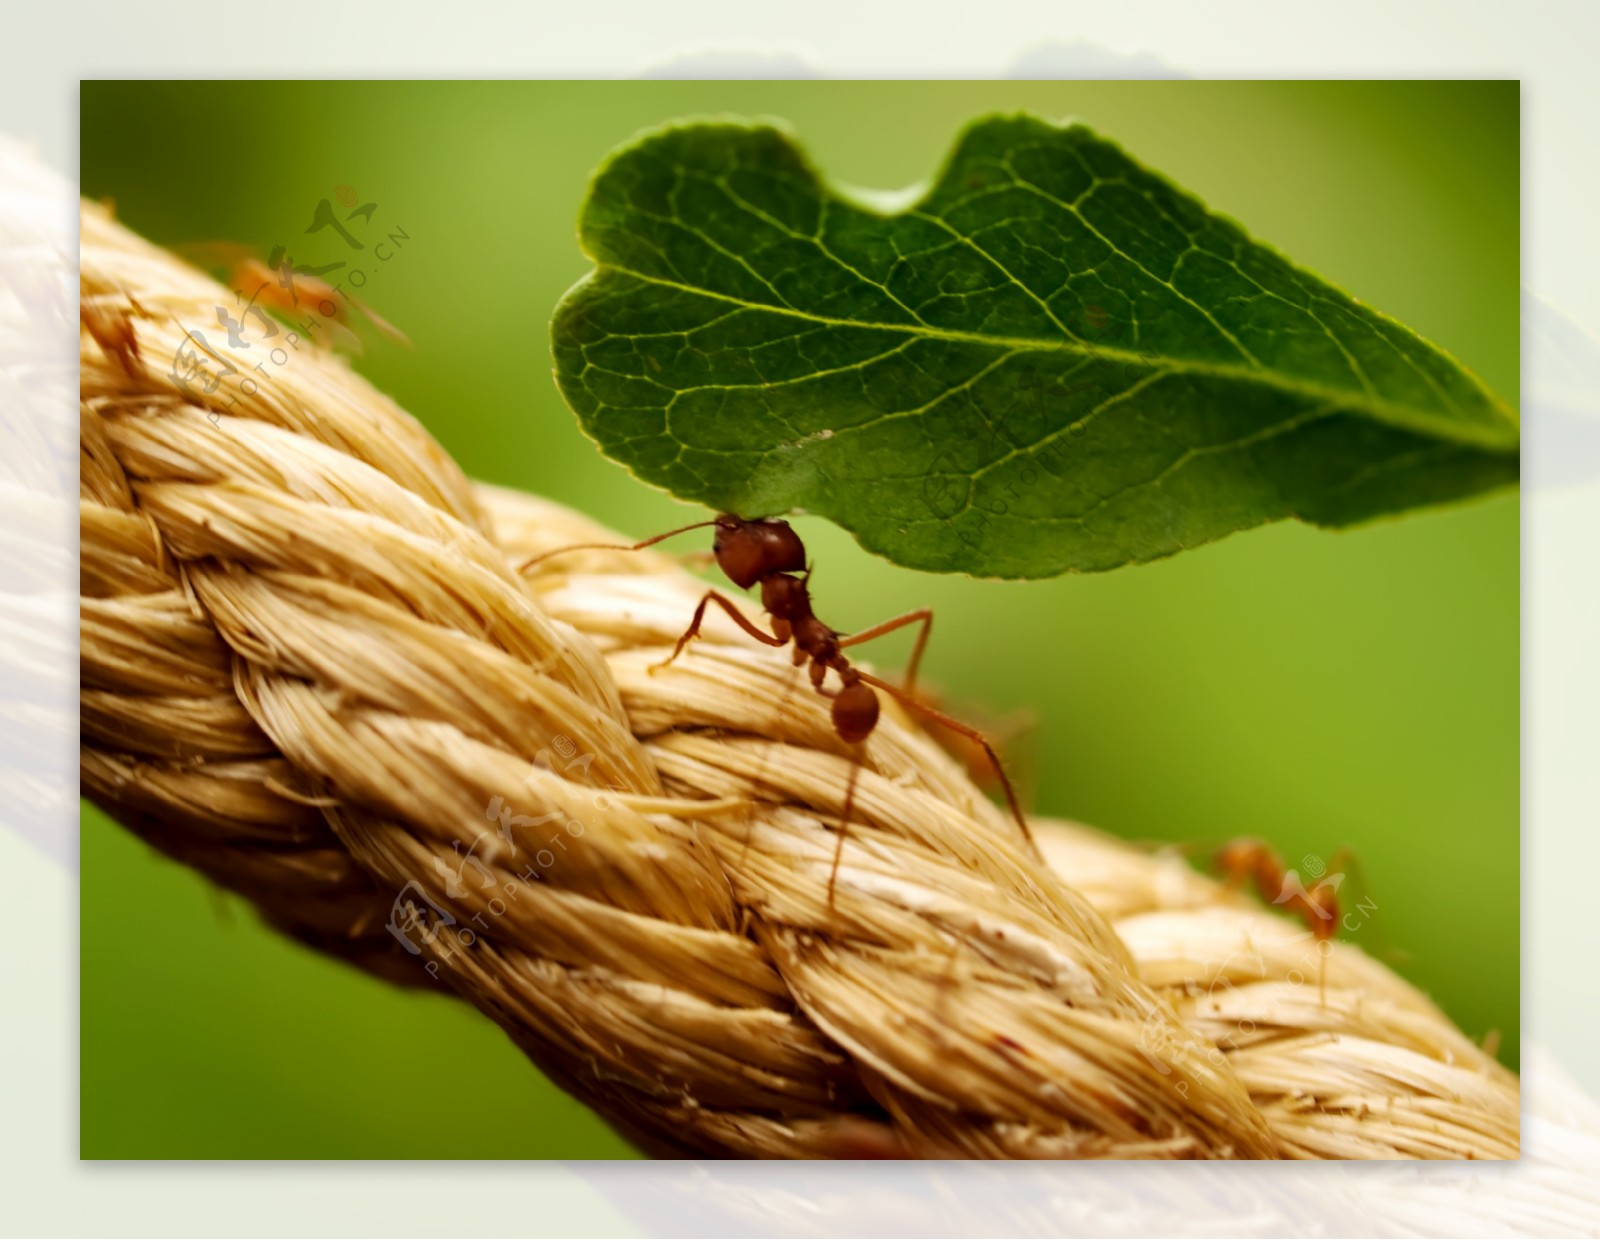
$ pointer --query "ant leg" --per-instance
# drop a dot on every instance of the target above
(1344, 862)
(638, 546)
(844, 824)
(922, 616)
(382, 324)
(972, 734)
(693, 631)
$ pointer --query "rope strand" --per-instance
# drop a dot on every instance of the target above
(311, 671)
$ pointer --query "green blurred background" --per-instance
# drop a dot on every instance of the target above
(1320, 690)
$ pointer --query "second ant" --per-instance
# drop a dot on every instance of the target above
(1257, 862)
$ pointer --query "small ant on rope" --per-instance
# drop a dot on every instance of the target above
(296, 294)
(1255, 861)
(770, 554)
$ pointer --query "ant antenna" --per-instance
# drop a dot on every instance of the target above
(638, 546)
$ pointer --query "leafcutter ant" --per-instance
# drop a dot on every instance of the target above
(1257, 862)
(768, 553)
(293, 292)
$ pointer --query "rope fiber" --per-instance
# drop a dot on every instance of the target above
(311, 671)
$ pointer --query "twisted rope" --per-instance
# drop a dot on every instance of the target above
(311, 671)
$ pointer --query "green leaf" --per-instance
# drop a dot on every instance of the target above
(1052, 360)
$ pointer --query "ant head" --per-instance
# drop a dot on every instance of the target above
(748, 551)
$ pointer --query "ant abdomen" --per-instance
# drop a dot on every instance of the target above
(855, 712)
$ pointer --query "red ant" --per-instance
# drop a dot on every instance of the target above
(289, 291)
(769, 553)
(1250, 860)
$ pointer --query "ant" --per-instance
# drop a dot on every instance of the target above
(768, 553)
(288, 290)
(1252, 860)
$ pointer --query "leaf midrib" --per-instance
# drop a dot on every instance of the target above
(1474, 433)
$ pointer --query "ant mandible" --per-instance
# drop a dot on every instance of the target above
(770, 554)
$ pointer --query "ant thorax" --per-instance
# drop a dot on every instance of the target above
(784, 597)
(818, 641)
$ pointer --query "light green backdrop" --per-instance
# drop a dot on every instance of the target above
(1317, 689)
